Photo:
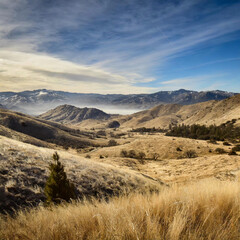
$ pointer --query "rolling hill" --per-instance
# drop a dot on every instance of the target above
(70, 114)
(41, 132)
(24, 170)
(211, 112)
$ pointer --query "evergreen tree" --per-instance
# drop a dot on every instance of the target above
(58, 187)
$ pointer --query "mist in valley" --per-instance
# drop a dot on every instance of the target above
(38, 109)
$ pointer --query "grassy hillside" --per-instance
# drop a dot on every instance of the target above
(211, 112)
(172, 164)
(139, 205)
(72, 115)
(41, 132)
(24, 170)
(206, 210)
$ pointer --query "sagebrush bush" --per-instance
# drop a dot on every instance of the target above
(226, 143)
(124, 153)
(141, 155)
(220, 150)
(191, 154)
(112, 143)
(132, 154)
(232, 153)
(236, 148)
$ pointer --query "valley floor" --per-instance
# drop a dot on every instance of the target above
(172, 165)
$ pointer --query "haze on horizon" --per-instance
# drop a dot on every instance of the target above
(103, 46)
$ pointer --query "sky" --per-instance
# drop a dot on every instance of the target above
(127, 46)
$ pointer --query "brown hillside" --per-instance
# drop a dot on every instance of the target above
(40, 132)
(24, 170)
(72, 115)
(211, 112)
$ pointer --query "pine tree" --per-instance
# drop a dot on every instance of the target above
(58, 188)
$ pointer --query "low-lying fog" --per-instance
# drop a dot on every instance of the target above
(38, 109)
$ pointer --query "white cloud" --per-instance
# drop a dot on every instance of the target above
(105, 46)
(20, 71)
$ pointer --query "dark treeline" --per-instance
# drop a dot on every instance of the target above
(225, 131)
(150, 130)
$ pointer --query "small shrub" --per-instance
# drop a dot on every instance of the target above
(112, 143)
(141, 155)
(123, 153)
(212, 141)
(226, 144)
(132, 154)
(232, 153)
(101, 133)
(112, 134)
(101, 156)
(236, 148)
(220, 150)
(179, 149)
(87, 156)
(191, 154)
(114, 124)
(141, 161)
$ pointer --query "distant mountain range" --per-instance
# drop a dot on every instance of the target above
(70, 114)
(39, 101)
(205, 113)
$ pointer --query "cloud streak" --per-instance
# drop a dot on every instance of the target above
(20, 71)
(116, 44)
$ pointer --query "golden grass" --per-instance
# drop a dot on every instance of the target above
(206, 210)
(172, 166)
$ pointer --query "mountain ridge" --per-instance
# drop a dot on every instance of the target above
(205, 113)
(41, 100)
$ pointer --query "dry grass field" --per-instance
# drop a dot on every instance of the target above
(43, 133)
(172, 166)
(179, 189)
(24, 170)
(205, 210)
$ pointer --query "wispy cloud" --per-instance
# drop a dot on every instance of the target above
(194, 82)
(104, 43)
(20, 71)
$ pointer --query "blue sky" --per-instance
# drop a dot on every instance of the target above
(108, 46)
